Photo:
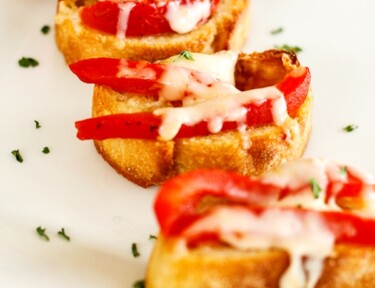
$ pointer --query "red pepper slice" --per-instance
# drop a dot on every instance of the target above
(346, 228)
(180, 202)
(295, 87)
(147, 17)
(105, 71)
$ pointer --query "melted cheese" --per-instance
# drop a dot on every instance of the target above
(192, 86)
(181, 18)
(296, 175)
(219, 65)
(216, 111)
(123, 19)
(308, 237)
(184, 18)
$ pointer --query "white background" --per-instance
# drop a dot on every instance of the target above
(73, 187)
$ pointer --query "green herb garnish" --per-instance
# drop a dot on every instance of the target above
(186, 54)
(45, 29)
(286, 47)
(28, 62)
(63, 234)
(350, 128)
(46, 150)
(42, 233)
(277, 31)
(17, 154)
(344, 170)
(139, 284)
(37, 124)
(135, 250)
(152, 237)
(315, 188)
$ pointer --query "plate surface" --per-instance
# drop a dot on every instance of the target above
(73, 188)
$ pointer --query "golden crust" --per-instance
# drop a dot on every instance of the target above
(147, 162)
(224, 267)
(226, 30)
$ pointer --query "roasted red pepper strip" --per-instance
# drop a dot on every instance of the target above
(347, 228)
(295, 87)
(105, 71)
(145, 17)
(180, 202)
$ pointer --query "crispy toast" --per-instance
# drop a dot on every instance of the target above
(227, 29)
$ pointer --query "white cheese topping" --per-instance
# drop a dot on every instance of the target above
(219, 65)
(296, 176)
(192, 86)
(308, 237)
(218, 110)
(184, 18)
(123, 18)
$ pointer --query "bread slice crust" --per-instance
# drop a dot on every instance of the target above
(227, 29)
(151, 162)
(224, 267)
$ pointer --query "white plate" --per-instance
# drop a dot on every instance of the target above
(72, 187)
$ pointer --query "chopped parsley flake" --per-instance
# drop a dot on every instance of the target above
(37, 124)
(17, 154)
(286, 47)
(63, 234)
(350, 128)
(46, 150)
(42, 233)
(45, 29)
(28, 62)
(139, 284)
(152, 237)
(186, 54)
(344, 170)
(315, 188)
(277, 31)
(135, 250)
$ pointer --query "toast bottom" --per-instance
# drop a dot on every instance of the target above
(224, 267)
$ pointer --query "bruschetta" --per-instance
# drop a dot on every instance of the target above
(308, 224)
(149, 29)
(238, 112)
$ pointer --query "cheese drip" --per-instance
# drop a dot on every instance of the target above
(242, 229)
(220, 109)
(181, 18)
(123, 18)
(220, 65)
(184, 18)
(208, 76)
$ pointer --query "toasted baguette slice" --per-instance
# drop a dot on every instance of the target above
(227, 29)
(223, 230)
(148, 162)
(223, 267)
